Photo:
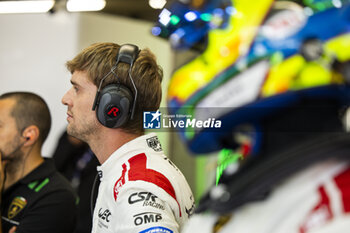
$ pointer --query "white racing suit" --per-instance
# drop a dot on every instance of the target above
(141, 190)
(316, 200)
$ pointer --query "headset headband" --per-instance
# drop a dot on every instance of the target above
(128, 54)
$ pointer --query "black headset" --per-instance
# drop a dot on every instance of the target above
(113, 103)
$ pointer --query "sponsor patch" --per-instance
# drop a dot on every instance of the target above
(104, 214)
(104, 217)
(16, 206)
(147, 198)
(154, 143)
(157, 229)
(146, 217)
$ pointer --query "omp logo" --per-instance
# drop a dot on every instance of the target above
(104, 214)
(149, 199)
(147, 217)
(151, 120)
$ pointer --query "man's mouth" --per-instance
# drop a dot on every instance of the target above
(69, 116)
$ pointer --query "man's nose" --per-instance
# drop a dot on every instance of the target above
(65, 99)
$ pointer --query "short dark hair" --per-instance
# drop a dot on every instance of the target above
(98, 59)
(30, 109)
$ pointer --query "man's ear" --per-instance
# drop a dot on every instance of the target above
(31, 135)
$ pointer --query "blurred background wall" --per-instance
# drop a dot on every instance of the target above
(33, 51)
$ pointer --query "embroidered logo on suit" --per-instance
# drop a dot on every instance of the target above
(17, 204)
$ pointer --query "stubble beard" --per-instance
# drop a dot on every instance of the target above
(85, 133)
(13, 165)
(14, 159)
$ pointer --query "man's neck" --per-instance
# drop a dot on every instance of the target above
(108, 141)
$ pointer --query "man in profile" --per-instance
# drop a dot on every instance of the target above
(141, 190)
(36, 198)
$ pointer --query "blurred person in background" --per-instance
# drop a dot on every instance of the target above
(35, 197)
(74, 160)
(140, 190)
(276, 74)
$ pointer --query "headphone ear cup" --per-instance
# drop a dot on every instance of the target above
(114, 106)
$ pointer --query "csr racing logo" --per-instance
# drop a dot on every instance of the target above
(148, 199)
